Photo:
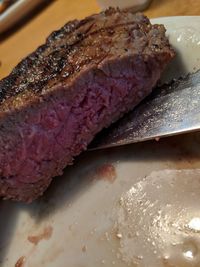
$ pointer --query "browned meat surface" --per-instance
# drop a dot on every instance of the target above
(86, 76)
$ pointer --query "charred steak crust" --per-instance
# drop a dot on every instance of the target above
(54, 62)
(86, 76)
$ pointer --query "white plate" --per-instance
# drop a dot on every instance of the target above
(80, 211)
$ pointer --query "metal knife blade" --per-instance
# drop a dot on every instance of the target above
(171, 109)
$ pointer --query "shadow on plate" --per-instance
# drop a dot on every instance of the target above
(9, 214)
(175, 69)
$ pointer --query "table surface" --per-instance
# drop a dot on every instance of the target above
(33, 32)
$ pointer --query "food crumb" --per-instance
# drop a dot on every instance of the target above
(92, 232)
(20, 262)
(119, 235)
(70, 227)
(46, 234)
(107, 236)
(118, 256)
(107, 172)
(84, 248)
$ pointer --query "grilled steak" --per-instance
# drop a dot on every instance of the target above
(86, 76)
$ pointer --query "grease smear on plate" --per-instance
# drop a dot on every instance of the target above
(159, 220)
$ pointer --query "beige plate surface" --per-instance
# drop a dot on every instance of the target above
(77, 222)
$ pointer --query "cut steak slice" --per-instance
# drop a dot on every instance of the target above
(86, 76)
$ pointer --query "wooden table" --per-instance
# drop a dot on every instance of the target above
(31, 34)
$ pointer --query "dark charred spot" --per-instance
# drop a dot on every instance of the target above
(80, 35)
(60, 58)
(110, 31)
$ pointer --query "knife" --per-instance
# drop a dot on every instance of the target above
(171, 109)
(16, 10)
